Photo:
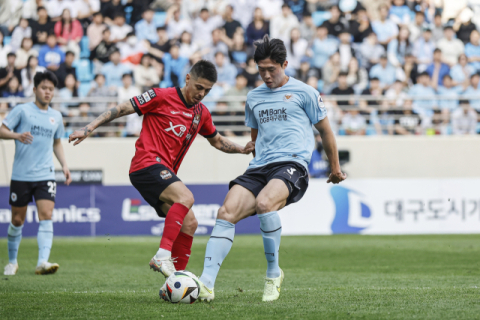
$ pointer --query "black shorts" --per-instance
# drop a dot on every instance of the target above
(292, 173)
(21, 192)
(151, 182)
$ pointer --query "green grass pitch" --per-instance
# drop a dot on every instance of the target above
(326, 277)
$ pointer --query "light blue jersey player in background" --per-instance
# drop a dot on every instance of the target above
(280, 113)
(36, 129)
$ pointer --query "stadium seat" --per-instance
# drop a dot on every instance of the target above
(159, 18)
(84, 70)
(320, 85)
(84, 88)
(7, 40)
(84, 46)
(320, 16)
(128, 14)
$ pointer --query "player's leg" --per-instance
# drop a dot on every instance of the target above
(14, 239)
(45, 236)
(239, 204)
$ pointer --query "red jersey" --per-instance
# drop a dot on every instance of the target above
(169, 127)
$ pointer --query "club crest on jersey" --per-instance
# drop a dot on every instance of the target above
(181, 129)
(13, 197)
(52, 120)
(165, 174)
(196, 120)
(288, 97)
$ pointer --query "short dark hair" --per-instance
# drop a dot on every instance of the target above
(437, 50)
(162, 28)
(98, 13)
(41, 8)
(270, 48)
(99, 75)
(447, 76)
(119, 14)
(11, 54)
(69, 52)
(204, 69)
(203, 10)
(45, 75)
(128, 74)
(343, 74)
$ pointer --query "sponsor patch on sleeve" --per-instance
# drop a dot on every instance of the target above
(152, 93)
(146, 96)
(320, 102)
(141, 100)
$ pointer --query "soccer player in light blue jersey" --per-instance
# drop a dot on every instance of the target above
(36, 129)
(280, 113)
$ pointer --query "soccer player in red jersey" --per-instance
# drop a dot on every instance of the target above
(172, 119)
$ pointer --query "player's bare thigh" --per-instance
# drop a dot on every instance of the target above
(45, 209)
(177, 192)
(18, 215)
(239, 204)
(273, 197)
(190, 223)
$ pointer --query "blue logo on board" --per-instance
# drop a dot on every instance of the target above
(352, 214)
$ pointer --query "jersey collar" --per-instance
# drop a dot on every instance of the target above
(179, 92)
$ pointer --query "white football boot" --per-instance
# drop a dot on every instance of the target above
(47, 268)
(10, 269)
(271, 290)
(164, 266)
(205, 294)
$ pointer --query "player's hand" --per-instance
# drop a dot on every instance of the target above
(336, 177)
(249, 148)
(25, 138)
(68, 177)
(79, 135)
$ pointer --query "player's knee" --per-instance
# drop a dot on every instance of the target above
(264, 206)
(189, 225)
(224, 214)
(187, 200)
(17, 221)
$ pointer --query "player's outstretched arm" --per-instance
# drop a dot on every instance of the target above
(330, 146)
(223, 144)
(58, 150)
(120, 110)
(7, 134)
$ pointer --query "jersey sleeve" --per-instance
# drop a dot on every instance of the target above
(314, 107)
(60, 130)
(13, 118)
(208, 129)
(250, 120)
(146, 102)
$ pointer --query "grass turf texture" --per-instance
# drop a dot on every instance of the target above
(328, 277)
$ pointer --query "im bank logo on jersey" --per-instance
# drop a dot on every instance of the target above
(352, 213)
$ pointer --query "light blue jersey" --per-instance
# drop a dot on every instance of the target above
(284, 117)
(34, 162)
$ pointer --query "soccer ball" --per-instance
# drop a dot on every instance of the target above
(180, 287)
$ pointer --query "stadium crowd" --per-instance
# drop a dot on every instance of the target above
(417, 61)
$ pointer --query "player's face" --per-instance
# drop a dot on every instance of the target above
(44, 92)
(196, 89)
(272, 73)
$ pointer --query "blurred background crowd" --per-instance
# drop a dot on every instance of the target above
(385, 67)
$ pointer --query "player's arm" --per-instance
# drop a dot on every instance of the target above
(330, 147)
(120, 110)
(58, 151)
(7, 134)
(223, 144)
(254, 134)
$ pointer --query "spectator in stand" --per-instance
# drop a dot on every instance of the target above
(370, 51)
(132, 50)
(437, 30)
(464, 26)
(323, 47)
(101, 54)
(112, 8)
(251, 73)
(258, 28)
(226, 72)
(330, 72)
(354, 123)
(85, 10)
(472, 50)
(114, 70)
(361, 27)
(125, 93)
(4, 50)
(298, 7)
(69, 32)
(423, 89)
(119, 28)
(99, 89)
(437, 69)
(385, 28)
(175, 25)
(450, 91)
(343, 90)
(10, 15)
(65, 69)
(145, 74)
(410, 70)
(231, 26)
(385, 72)
(296, 50)
(305, 71)
(270, 8)
(95, 31)
(203, 27)
(423, 49)
(399, 12)
(56, 7)
(462, 71)
(345, 49)
(407, 122)
(163, 45)
(24, 53)
(464, 120)
(282, 25)
(243, 11)
(238, 90)
(334, 25)
(19, 33)
(13, 90)
(399, 47)
(174, 66)
(146, 29)
(396, 94)
(28, 73)
(451, 47)
(238, 51)
(8, 72)
(474, 91)
(3, 111)
(41, 28)
(187, 47)
(50, 55)
(357, 77)
(68, 92)
(373, 90)
(217, 45)
(417, 26)
(308, 30)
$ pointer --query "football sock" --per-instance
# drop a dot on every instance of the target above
(173, 224)
(218, 246)
(271, 228)
(44, 239)
(14, 238)
(181, 249)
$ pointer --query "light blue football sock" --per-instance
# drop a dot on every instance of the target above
(218, 246)
(44, 239)
(14, 238)
(271, 228)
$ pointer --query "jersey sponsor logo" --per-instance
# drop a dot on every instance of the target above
(175, 112)
(188, 137)
(52, 120)
(165, 174)
(140, 99)
(288, 97)
(188, 114)
(146, 96)
(173, 128)
(270, 115)
(13, 197)
(41, 131)
(291, 171)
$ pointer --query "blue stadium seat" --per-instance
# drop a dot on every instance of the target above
(84, 70)
(320, 16)
(159, 18)
(320, 85)
(128, 14)
(84, 88)
(7, 40)
(85, 51)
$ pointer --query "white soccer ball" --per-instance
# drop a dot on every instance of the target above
(180, 287)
